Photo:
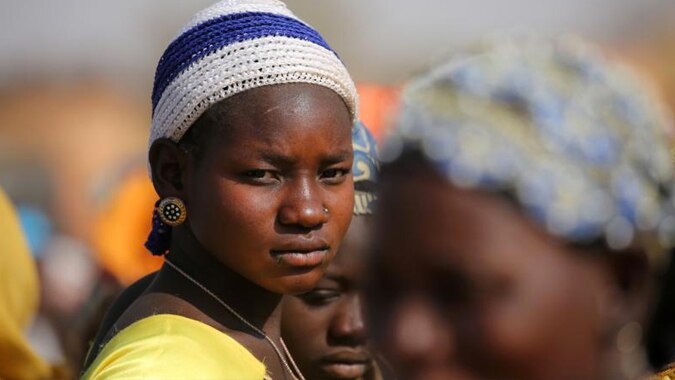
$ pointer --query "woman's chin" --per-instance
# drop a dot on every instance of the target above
(296, 283)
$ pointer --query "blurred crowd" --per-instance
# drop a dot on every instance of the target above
(76, 200)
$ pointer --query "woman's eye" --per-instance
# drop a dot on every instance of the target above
(334, 175)
(260, 175)
(320, 297)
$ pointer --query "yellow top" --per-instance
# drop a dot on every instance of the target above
(166, 346)
(19, 298)
(668, 374)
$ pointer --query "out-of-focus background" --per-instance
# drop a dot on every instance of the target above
(75, 82)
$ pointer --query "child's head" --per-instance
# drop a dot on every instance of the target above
(251, 130)
(529, 200)
(325, 328)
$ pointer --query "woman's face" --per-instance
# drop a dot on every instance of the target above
(324, 328)
(465, 287)
(270, 194)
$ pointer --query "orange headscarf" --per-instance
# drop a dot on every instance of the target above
(122, 227)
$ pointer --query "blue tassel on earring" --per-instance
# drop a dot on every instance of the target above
(159, 240)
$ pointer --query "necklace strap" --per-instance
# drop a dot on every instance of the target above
(297, 375)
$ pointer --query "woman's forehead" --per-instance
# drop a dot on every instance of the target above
(268, 102)
(455, 225)
(268, 115)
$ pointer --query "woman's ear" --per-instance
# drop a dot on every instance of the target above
(168, 165)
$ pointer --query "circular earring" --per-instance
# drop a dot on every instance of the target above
(325, 210)
(172, 211)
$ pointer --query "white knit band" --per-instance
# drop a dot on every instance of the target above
(230, 7)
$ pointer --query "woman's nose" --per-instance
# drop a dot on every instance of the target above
(348, 325)
(303, 205)
(419, 335)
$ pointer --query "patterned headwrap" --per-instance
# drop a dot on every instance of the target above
(574, 138)
(234, 46)
(365, 169)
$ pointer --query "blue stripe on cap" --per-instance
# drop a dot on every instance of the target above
(219, 32)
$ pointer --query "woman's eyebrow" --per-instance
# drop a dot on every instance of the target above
(278, 158)
(335, 157)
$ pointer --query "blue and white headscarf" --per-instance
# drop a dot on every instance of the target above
(234, 46)
(572, 136)
(365, 169)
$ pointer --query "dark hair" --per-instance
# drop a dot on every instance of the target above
(660, 337)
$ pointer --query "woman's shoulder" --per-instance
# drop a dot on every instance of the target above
(173, 346)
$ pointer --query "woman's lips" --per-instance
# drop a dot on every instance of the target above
(299, 258)
(345, 370)
(347, 365)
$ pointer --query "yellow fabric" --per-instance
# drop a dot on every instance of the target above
(168, 346)
(668, 374)
(19, 298)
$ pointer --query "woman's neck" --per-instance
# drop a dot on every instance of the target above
(257, 305)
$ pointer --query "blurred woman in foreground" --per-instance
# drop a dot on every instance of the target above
(525, 216)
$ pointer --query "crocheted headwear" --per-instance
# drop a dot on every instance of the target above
(573, 138)
(365, 169)
(234, 46)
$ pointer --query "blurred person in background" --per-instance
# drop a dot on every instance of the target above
(19, 300)
(76, 292)
(524, 219)
(250, 153)
(325, 328)
(121, 228)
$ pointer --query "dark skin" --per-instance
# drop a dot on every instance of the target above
(325, 328)
(472, 289)
(265, 165)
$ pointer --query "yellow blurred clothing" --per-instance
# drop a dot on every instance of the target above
(122, 227)
(19, 299)
(166, 346)
(668, 374)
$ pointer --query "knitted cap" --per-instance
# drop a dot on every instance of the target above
(572, 136)
(234, 46)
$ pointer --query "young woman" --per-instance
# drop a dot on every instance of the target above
(250, 153)
(526, 210)
(325, 328)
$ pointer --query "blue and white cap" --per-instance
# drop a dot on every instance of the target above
(234, 46)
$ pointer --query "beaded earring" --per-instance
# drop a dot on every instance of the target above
(172, 211)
